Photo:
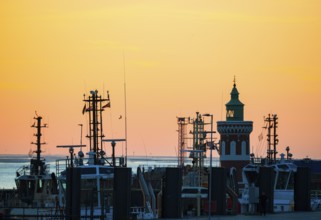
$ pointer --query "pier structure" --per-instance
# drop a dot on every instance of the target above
(199, 141)
(235, 135)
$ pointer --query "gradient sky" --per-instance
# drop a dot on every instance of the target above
(180, 57)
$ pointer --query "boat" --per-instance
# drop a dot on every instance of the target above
(36, 186)
(283, 186)
(96, 171)
(96, 178)
(284, 170)
(282, 181)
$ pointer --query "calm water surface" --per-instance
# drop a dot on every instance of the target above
(9, 164)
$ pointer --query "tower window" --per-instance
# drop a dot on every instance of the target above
(230, 113)
(244, 148)
(223, 148)
(233, 148)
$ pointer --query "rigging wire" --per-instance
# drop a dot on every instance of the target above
(262, 142)
(111, 123)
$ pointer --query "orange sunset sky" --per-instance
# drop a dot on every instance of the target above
(180, 57)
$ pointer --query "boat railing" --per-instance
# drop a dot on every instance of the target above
(61, 165)
(148, 168)
(27, 170)
(23, 170)
(262, 161)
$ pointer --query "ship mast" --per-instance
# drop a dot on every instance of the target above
(95, 105)
(272, 122)
(38, 163)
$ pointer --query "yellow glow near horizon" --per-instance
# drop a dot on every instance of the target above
(180, 57)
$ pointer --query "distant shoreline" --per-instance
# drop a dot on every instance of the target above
(64, 155)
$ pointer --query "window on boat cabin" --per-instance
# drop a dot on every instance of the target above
(190, 190)
(195, 190)
(31, 186)
(88, 193)
(104, 170)
(91, 170)
(291, 181)
(282, 180)
(40, 186)
(283, 167)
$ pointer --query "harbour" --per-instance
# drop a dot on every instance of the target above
(104, 185)
(130, 110)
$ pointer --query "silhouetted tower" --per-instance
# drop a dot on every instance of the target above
(199, 141)
(182, 135)
(235, 135)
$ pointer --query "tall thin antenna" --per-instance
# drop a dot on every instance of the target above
(125, 99)
(222, 106)
(80, 136)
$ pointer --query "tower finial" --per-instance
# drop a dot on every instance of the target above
(234, 81)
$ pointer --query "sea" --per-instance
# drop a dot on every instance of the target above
(9, 164)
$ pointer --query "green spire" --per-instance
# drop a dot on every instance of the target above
(234, 108)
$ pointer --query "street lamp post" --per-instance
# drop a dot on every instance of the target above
(211, 145)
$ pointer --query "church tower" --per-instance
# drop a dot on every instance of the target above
(235, 135)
